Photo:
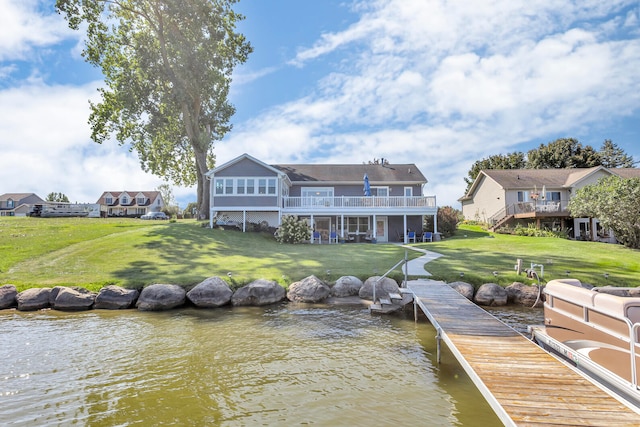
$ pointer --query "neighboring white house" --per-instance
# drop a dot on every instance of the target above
(247, 190)
(536, 196)
(130, 203)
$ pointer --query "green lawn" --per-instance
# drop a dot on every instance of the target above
(128, 252)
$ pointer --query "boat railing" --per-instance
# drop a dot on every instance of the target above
(635, 328)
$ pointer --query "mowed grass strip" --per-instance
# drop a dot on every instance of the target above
(477, 254)
(132, 253)
(95, 252)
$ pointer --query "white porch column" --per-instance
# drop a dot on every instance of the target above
(435, 221)
(312, 227)
(342, 225)
(404, 229)
(374, 226)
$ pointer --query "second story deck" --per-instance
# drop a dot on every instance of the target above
(417, 204)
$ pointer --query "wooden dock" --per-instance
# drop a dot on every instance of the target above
(524, 385)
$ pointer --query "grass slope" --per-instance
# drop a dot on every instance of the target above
(95, 252)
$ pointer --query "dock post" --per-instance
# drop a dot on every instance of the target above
(415, 308)
(438, 344)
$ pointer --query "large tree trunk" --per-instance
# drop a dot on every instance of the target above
(203, 183)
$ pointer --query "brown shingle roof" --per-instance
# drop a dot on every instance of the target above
(353, 173)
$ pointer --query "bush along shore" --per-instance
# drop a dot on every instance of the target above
(215, 292)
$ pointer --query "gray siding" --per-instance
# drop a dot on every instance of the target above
(245, 201)
(245, 167)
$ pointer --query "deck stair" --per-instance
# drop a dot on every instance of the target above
(392, 303)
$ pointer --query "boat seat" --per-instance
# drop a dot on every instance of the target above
(619, 306)
(570, 290)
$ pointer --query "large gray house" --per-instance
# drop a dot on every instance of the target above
(331, 196)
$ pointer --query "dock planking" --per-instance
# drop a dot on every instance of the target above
(524, 384)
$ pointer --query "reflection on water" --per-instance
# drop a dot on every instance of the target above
(282, 365)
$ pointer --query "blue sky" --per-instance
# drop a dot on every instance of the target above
(432, 82)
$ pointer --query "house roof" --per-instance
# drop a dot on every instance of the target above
(17, 196)
(150, 195)
(354, 173)
(627, 172)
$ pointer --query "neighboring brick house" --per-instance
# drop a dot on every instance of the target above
(130, 203)
(246, 190)
(536, 196)
(18, 204)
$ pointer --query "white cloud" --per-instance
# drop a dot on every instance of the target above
(24, 25)
(445, 83)
(46, 147)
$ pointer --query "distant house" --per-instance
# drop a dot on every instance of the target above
(130, 203)
(18, 204)
(536, 196)
(331, 196)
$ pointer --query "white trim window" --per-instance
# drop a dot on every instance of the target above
(245, 186)
(408, 191)
(317, 196)
(380, 191)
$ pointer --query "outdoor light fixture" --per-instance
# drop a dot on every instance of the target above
(461, 274)
(229, 274)
(606, 275)
(568, 272)
(495, 273)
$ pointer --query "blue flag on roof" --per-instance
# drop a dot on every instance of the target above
(367, 187)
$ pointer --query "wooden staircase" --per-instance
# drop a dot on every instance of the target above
(392, 303)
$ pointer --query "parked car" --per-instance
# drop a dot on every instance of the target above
(154, 215)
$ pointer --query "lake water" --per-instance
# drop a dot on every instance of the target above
(283, 365)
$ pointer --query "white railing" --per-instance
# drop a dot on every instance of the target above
(360, 202)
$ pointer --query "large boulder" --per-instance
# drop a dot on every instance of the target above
(491, 294)
(259, 292)
(33, 299)
(8, 295)
(71, 299)
(346, 286)
(384, 287)
(310, 289)
(114, 297)
(159, 297)
(521, 294)
(464, 288)
(210, 293)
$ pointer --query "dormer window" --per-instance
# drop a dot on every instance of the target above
(10, 203)
(141, 200)
(125, 200)
(108, 200)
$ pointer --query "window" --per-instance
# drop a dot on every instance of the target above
(241, 186)
(358, 224)
(553, 196)
(219, 183)
(522, 196)
(141, 200)
(10, 203)
(125, 200)
(108, 200)
(380, 191)
(271, 186)
(408, 191)
(317, 196)
(228, 186)
(262, 186)
(251, 186)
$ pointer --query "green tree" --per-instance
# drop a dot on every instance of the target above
(167, 67)
(615, 202)
(57, 197)
(513, 160)
(448, 219)
(613, 156)
(563, 153)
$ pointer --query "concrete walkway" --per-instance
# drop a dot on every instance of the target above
(416, 267)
